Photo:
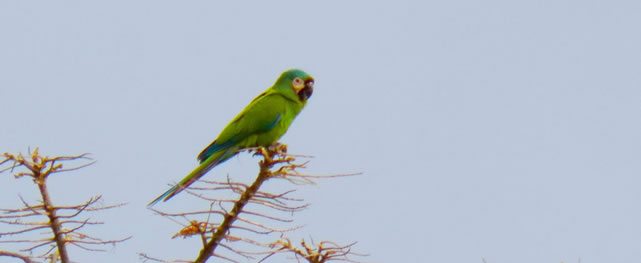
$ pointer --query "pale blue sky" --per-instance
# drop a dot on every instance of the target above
(504, 130)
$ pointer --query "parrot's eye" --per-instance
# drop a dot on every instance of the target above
(297, 82)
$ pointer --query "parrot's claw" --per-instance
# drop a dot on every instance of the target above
(278, 148)
(262, 151)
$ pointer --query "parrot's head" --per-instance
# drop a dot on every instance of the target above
(296, 83)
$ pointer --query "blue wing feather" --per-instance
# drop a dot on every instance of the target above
(271, 125)
(215, 146)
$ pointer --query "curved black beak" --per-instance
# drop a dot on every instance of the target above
(306, 92)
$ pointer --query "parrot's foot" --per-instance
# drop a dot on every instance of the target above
(278, 148)
(262, 151)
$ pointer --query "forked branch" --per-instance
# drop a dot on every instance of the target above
(65, 222)
(253, 218)
(325, 251)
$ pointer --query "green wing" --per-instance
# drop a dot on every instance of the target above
(261, 116)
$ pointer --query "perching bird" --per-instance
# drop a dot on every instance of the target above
(261, 123)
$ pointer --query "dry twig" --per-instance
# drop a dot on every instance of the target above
(64, 222)
(325, 251)
(226, 222)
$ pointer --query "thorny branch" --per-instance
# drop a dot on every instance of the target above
(63, 221)
(246, 213)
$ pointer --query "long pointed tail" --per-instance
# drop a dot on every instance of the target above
(192, 177)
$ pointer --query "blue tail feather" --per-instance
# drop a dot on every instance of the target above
(164, 195)
(192, 177)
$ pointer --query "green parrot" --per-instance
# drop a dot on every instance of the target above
(261, 123)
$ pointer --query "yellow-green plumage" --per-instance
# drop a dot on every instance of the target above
(261, 123)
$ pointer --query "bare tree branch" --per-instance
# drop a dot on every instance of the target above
(24, 258)
(246, 213)
(63, 221)
(325, 251)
